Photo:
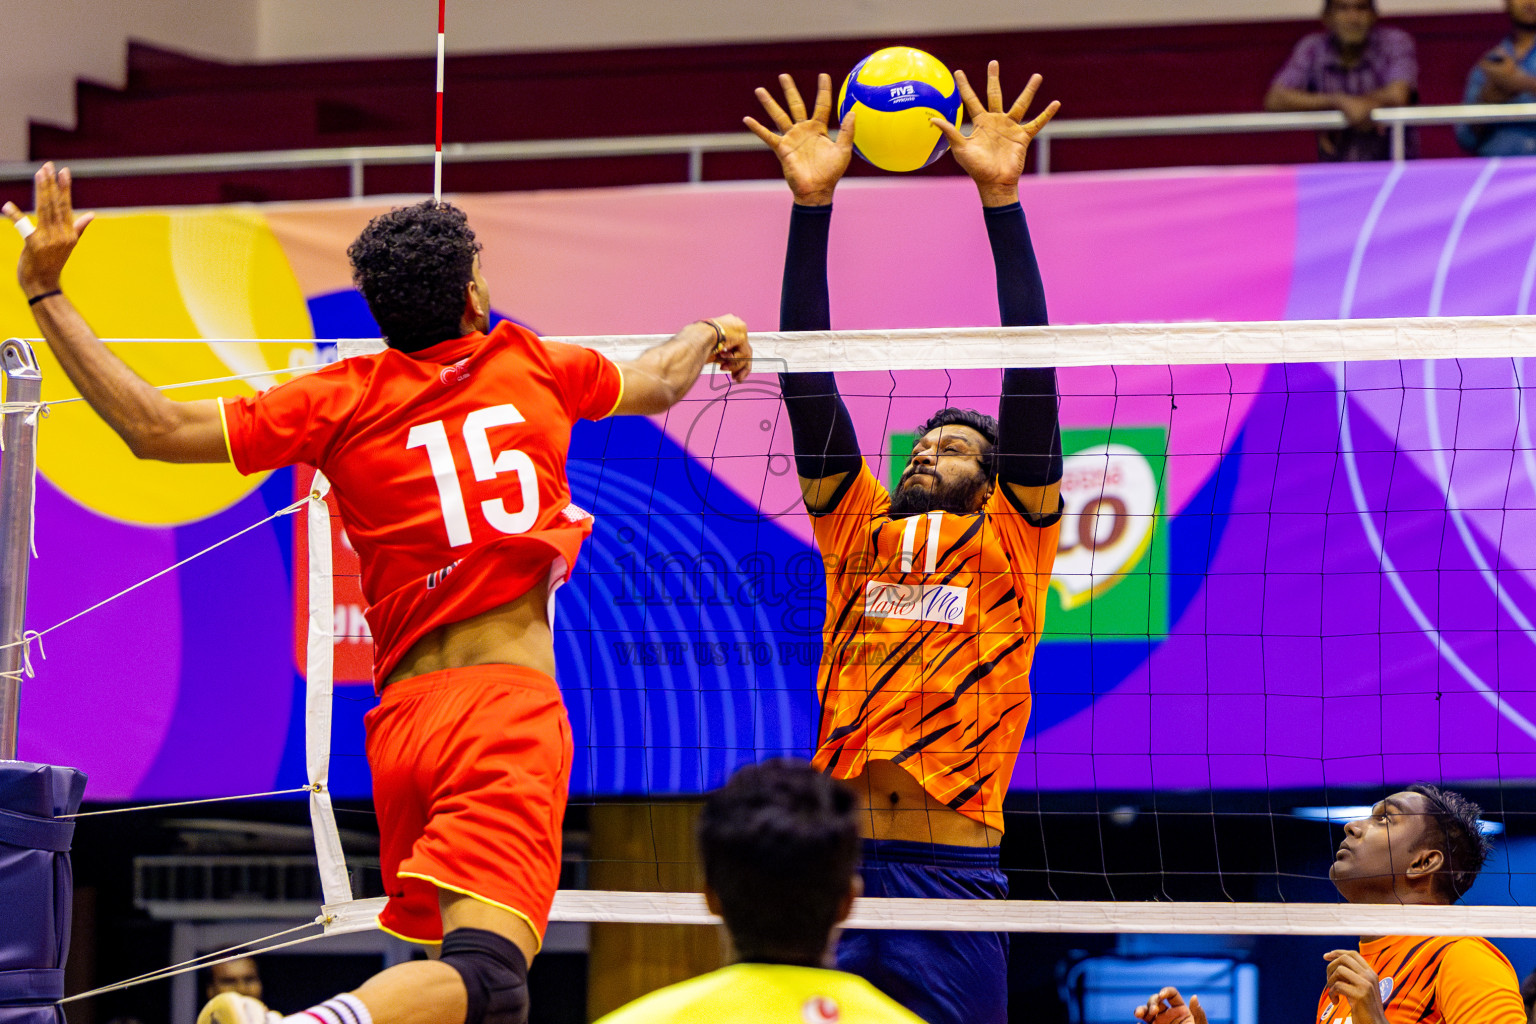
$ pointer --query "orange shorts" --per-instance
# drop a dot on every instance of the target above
(471, 769)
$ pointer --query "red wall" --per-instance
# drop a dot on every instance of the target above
(174, 104)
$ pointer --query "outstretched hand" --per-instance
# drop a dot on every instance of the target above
(813, 163)
(1167, 1006)
(733, 353)
(53, 237)
(993, 154)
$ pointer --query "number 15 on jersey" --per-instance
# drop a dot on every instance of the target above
(486, 466)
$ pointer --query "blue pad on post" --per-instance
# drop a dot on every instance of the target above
(36, 888)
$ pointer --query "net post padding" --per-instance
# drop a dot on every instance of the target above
(335, 883)
(1077, 918)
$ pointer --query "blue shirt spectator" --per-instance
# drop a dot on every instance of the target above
(1506, 75)
(1354, 67)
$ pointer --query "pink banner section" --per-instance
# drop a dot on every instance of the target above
(1113, 247)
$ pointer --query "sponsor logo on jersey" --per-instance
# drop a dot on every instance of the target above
(820, 1010)
(575, 513)
(1386, 990)
(1328, 1010)
(457, 373)
(915, 602)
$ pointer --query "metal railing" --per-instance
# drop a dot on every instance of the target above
(358, 158)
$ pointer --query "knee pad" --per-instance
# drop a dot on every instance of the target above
(495, 975)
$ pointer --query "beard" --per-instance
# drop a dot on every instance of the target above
(961, 497)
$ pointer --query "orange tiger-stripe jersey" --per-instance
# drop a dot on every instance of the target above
(930, 630)
(1435, 980)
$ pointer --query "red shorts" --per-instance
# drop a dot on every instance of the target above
(471, 769)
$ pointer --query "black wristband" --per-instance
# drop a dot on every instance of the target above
(34, 300)
(719, 335)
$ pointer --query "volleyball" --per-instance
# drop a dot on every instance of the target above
(896, 90)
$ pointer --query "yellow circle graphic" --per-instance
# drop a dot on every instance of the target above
(197, 274)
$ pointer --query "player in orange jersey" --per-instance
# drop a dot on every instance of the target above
(936, 594)
(1423, 845)
(447, 453)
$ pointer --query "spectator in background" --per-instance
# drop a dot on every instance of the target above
(1506, 75)
(234, 976)
(1355, 67)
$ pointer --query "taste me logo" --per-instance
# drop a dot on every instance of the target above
(1111, 575)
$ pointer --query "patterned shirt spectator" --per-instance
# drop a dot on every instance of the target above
(1506, 75)
(1354, 67)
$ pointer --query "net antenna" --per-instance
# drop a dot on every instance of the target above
(437, 156)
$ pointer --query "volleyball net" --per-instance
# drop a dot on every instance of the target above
(1294, 574)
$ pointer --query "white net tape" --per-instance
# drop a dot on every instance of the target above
(960, 348)
(981, 348)
(1080, 917)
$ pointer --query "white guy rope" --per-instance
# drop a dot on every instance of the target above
(186, 803)
(10, 407)
(222, 956)
(36, 635)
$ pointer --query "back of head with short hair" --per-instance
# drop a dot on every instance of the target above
(412, 265)
(780, 847)
(1464, 845)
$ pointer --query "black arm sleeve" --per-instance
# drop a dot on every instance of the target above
(1028, 428)
(825, 444)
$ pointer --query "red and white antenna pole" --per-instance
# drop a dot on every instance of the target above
(437, 158)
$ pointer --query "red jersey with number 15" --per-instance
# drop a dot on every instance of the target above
(448, 466)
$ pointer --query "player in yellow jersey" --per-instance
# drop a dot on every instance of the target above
(780, 848)
(1423, 845)
(935, 594)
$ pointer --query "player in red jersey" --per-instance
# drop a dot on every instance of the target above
(1422, 846)
(447, 454)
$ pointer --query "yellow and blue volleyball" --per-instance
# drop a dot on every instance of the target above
(896, 90)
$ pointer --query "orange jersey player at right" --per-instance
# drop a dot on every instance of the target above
(1422, 846)
(936, 593)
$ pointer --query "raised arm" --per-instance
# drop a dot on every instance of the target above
(826, 448)
(1029, 432)
(661, 375)
(152, 425)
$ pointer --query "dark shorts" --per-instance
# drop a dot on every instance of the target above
(943, 977)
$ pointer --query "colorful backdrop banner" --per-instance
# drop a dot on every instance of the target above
(1284, 576)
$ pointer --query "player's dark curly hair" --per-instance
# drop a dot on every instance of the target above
(980, 422)
(780, 847)
(1460, 823)
(412, 264)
